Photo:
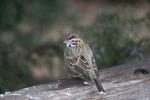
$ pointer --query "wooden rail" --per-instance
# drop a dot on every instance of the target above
(125, 82)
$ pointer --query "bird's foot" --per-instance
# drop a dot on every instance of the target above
(102, 92)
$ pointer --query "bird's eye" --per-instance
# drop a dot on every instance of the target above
(72, 40)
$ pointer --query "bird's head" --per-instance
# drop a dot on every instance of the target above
(73, 40)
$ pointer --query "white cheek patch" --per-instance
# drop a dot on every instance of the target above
(70, 45)
(67, 44)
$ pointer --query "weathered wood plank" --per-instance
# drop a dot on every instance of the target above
(125, 82)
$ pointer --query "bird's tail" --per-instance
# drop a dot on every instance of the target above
(99, 86)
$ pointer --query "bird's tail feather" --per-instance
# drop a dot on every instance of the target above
(99, 86)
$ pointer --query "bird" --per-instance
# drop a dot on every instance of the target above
(80, 60)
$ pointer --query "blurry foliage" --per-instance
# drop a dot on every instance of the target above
(16, 47)
(111, 41)
(10, 13)
(17, 54)
(41, 12)
(108, 36)
(147, 19)
(14, 73)
(46, 12)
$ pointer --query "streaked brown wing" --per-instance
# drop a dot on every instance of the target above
(87, 60)
(80, 63)
(90, 58)
(76, 63)
(84, 65)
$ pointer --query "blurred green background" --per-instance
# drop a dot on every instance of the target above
(32, 34)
